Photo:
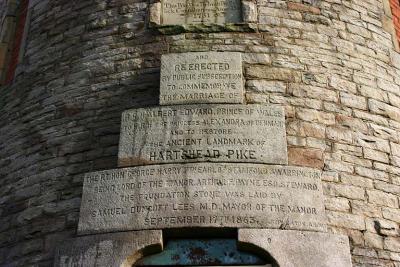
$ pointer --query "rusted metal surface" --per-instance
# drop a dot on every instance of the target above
(195, 252)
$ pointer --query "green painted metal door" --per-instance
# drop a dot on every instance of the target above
(202, 252)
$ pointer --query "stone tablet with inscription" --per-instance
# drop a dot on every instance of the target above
(203, 77)
(174, 12)
(198, 133)
(202, 195)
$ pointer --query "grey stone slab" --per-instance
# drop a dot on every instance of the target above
(296, 248)
(249, 11)
(155, 13)
(202, 195)
(111, 250)
(201, 77)
(198, 133)
(176, 12)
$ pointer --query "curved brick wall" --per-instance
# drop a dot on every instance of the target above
(330, 63)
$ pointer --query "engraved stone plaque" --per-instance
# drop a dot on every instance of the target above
(198, 133)
(202, 77)
(202, 195)
(175, 12)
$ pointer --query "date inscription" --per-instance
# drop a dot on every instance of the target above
(202, 195)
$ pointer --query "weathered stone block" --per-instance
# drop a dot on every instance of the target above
(293, 248)
(337, 204)
(112, 250)
(342, 190)
(306, 157)
(202, 195)
(269, 73)
(384, 109)
(376, 155)
(346, 220)
(383, 199)
(155, 13)
(256, 58)
(353, 101)
(395, 148)
(359, 207)
(202, 77)
(316, 116)
(262, 86)
(392, 244)
(356, 180)
(198, 133)
(200, 12)
(249, 12)
(373, 240)
(391, 214)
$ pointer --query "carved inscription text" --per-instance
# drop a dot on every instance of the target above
(202, 195)
(200, 11)
(211, 77)
(196, 133)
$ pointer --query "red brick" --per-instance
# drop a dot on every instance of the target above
(19, 32)
(306, 157)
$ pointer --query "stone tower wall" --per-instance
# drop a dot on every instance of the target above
(330, 63)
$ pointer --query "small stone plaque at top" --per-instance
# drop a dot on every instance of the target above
(175, 12)
(202, 77)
